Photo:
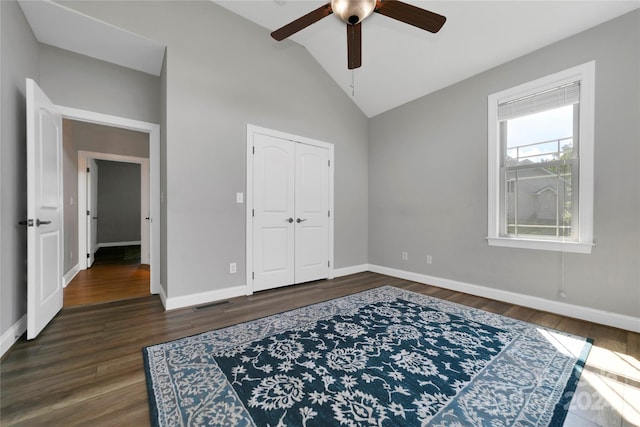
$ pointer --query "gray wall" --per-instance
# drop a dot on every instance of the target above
(163, 176)
(428, 180)
(118, 202)
(95, 138)
(215, 85)
(70, 195)
(107, 139)
(19, 53)
(78, 81)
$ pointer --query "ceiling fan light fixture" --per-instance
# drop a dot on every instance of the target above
(353, 11)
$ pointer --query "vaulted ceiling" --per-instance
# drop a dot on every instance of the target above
(399, 62)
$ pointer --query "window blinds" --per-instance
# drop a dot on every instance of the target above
(557, 97)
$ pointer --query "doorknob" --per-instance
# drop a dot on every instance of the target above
(39, 223)
(299, 220)
(289, 220)
(95, 217)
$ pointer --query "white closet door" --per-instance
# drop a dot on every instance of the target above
(273, 216)
(312, 213)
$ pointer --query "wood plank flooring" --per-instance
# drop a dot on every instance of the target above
(86, 367)
(115, 275)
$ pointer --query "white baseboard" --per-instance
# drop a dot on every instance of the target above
(68, 277)
(112, 244)
(345, 271)
(622, 321)
(172, 303)
(163, 296)
(12, 335)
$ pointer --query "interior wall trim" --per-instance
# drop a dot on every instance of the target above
(354, 269)
(70, 275)
(617, 320)
(173, 303)
(12, 335)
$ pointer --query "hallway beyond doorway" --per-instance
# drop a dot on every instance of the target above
(115, 275)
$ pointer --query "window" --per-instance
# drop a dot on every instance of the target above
(541, 163)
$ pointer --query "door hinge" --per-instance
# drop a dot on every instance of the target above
(253, 276)
(88, 213)
(329, 162)
(254, 150)
(87, 170)
(329, 214)
(253, 212)
(329, 264)
(88, 256)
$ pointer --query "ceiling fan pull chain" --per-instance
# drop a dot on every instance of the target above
(353, 83)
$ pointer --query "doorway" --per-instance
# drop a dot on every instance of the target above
(125, 222)
(116, 226)
(147, 262)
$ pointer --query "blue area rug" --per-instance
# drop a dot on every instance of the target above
(384, 357)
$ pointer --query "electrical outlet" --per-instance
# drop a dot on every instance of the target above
(239, 197)
(405, 256)
(232, 268)
(429, 259)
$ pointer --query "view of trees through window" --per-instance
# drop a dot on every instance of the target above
(539, 163)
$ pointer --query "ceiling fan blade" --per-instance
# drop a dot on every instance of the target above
(302, 22)
(411, 15)
(354, 45)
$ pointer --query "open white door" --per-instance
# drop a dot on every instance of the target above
(44, 211)
(92, 211)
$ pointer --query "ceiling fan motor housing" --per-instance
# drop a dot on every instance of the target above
(353, 11)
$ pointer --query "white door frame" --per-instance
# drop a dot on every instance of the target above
(251, 131)
(83, 157)
(91, 179)
(153, 130)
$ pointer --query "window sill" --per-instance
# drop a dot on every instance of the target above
(543, 245)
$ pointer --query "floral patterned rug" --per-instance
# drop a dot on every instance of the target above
(384, 357)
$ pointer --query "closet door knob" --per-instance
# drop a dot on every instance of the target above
(299, 220)
(289, 220)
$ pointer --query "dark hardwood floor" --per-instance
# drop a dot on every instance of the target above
(116, 274)
(86, 367)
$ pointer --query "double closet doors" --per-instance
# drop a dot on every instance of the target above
(290, 212)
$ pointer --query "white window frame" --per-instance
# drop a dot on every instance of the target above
(585, 74)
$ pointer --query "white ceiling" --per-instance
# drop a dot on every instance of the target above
(399, 62)
(59, 26)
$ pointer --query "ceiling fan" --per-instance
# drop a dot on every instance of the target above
(353, 12)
